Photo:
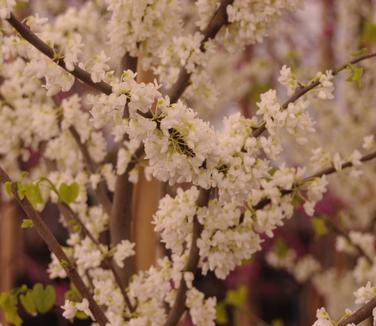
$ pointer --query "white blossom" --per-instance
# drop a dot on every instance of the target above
(123, 250)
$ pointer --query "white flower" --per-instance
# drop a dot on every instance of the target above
(55, 270)
(288, 79)
(368, 142)
(174, 218)
(365, 294)
(305, 268)
(98, 67)
(201, 310)
(326, 87)
(315, 192)
(323, 318)
(337, 162)
(6, 6)
(355, 158)
(84, 307)
(70, 309)
(123, 250)
(123, 159)
(87, 255)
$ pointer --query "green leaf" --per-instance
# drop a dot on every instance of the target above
(369, 32)
(33, 194)
(74, 226)
(21, 190)
(319, 226)
(27, 223)
(277, 322)
(81, 315)
(280, 248)
(221, 314)
(72, 294)
(359, 52)
(8, 188)
(27, 301)
(68, 193)
(356, 74)
(44, 299)
(296, 198)
(8, 302)
(237, 298)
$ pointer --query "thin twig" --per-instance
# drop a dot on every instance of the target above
(77, 72)
(359, 315)
(339, 231)
(327, 171)
(218, 20)
(121, 215)
(54, 246)
(67, 210)
(101, 189)
(178, 307)
(304, 90)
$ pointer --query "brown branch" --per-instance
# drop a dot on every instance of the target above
(53, 245)
(71, 215)
(178, 307)
(78, 72)
(101, 191)
(218, 20)
(339, 231)
(313, 84)
(121, 216)
(360, 315)
(327, 171)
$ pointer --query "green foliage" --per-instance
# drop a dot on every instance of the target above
(8, 302)
(238, 297)
(31, 191)
(35, 300)
(359, 52)
(72, 294)
(280, 248)
(74, 226)
(319, 226)
(369, 32)
(44, 298)
(8, 188)
(221, 314)
(27, 301)
(356, 74)
(68, 193)
(27, 223)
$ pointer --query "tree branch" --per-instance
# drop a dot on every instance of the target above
(336, 229)
(121, 216)
(55, 248)
(327, 171)
(360, 315)
(218, 20)
(78, 72)
(70, 214)
(101, 190)
(304, 90)
(178, 307)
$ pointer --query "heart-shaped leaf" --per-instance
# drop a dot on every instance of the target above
(44, 298)
(68, 193)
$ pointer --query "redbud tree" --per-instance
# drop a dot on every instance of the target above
(199, 127)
